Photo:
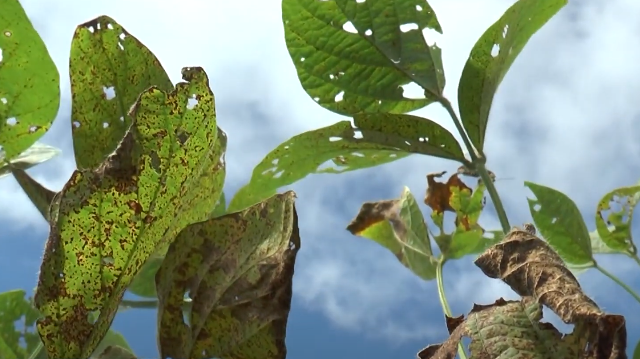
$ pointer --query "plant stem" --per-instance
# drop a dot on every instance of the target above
(634, 257)
(478, 164)
(619, 282)
(36, 352)
(443, 300)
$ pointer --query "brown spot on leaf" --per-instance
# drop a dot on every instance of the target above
(439, 194)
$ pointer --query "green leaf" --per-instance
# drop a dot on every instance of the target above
(144, 283)
(369, 67)
(614, 224)
(636, 352)
(40, 196)
(238, 270)
(409, 133)
(399, 226)
(116, 352)
(220, 208)
(107, 61)
(165, 175)
(485, 69)
(29, 82)
(113, 339)
(303, 155)
(464, 243)
(36, 154)
(14, 307)
(468, 207)
(560, 222)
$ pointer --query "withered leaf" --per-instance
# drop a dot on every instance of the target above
(532, 268)
(506, 329)
(399, 226)
(238, 271)
(439, 194)
(466, 171)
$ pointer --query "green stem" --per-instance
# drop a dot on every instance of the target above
(36, 352)
(443, 300)
(619, 282)
(478, 164)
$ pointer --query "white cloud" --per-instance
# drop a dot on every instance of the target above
(565, 117)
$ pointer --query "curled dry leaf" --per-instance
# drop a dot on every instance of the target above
(439, 194)
(466, 171)
(238, 271)
(507, 329)
(532, 268)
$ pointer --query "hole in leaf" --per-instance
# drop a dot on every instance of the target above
(418, 8)
(334, 139)
(330, 166)
(537, 207)
(121, 118)
(505, 30)
(292, 245)
(107, 260)
(1, 54)
(554, 220)
(33, 129)
(109, 92)
(357, 154)
(495, 50)
(192, 102)
(316, 99)
(409, 27)
(368, 32)
(275, 162)
(75, 124)
(302, 59)
(12, 121)
(332, 77)
(3, 100)
(7, 33)
(278, 174)
(431, 36)
(105, 124)
(339, 96)
(348, 27)
(357, 134)
(412, 91)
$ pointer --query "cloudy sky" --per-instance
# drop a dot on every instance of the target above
(565, 116)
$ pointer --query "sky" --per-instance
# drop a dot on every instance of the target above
(565, 116)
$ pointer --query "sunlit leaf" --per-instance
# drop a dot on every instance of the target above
(354, 56)
(108, 69)
(491, 57)
(238, 271)
(560, 222)
(32, 156)
(29, 82)
(165, 174)
(614, 216)
(340, 144)
(399, 226)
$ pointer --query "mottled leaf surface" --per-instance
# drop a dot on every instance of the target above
(238, 271)
(409, 133)
(34, 155)
(491, 58)
(343, 146)
(354, 57)
(399, 226)
(532, 268)
(108, 69)
(506, 329)
(164, 175)
(614, 216)
(29, 82)
(559, 221)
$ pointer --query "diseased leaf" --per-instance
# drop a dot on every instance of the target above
(166, 174)
(40, 196)
(34, 155)
(304, 154)
(491, 58)
(439, 194)
(16, 309)
(116, 352)
(506, 329)
(467, 205)
(355, 57)
(399, 226)
(560, 222)
(108, 69)
(29, 82)
(238, 271)
(613, 218)
(409, 133)
(532, 268)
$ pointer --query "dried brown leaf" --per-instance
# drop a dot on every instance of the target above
(439, 194)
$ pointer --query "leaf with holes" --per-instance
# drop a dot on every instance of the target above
(166, 174)
(29, 82)
(410, 133)
(356, 57)
(34, 155)
(238, 271)
(345, 147)
(560, 222)
(399, 226)
(613, 218)
(108, 69)
(491, 57)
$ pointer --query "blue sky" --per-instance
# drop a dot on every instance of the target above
(565, 116)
